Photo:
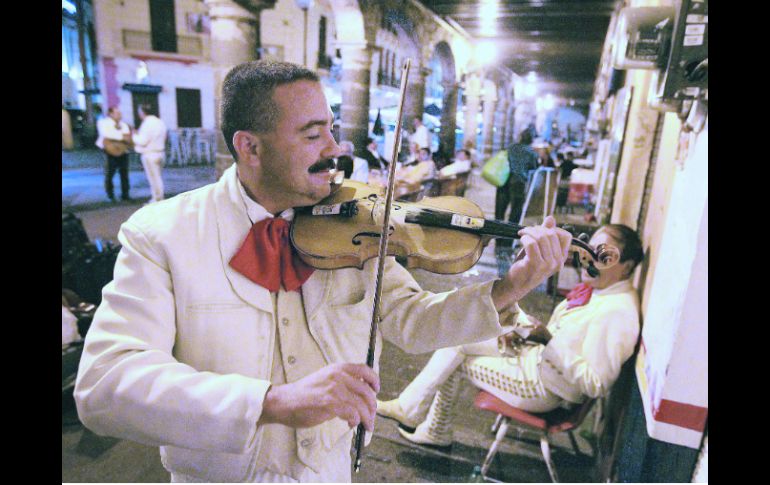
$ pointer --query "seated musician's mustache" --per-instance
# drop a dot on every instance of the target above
(323, 165)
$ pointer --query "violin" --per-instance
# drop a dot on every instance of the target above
(444, 235)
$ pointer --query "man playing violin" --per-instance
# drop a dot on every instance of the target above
(217, 344)
(578, 355)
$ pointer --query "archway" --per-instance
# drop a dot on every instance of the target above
(443, 62)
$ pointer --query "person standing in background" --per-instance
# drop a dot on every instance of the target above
(150, 142)
(522, 158)
(112, 130)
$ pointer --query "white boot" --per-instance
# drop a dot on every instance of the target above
(392, 409)
(436, 430)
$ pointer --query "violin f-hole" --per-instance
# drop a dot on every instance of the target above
(356, 239)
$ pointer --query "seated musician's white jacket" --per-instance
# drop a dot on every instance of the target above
(180, 350)
(590, 343)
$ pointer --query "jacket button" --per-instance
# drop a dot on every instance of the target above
(306, 442)
(291, 359)
(285, 322)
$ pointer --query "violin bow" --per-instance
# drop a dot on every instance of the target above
(383, 251)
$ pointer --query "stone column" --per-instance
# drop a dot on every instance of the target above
(414, 104)
(234, 40)
(509, 124)
(472, 101)
(498, 137)
(354, 112)
(447, 135)
(488, 123)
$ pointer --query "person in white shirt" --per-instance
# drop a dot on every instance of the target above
(420, 137)
(360, 171)
(218, 345)
(578, 355)
(150, 142)
(461, 164)
(111, 127)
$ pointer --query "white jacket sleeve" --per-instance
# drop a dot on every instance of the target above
(130, 386)
(590, 367)
(421, 321)
(142, 135)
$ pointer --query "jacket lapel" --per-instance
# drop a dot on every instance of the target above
(233, 226)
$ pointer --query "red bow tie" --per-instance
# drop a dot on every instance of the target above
(267, 259)
(579, 296)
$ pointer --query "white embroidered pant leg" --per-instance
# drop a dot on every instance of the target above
(152, 162)
(416, 398)
(515, 380)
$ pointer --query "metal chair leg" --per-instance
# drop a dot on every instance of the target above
(493, 449)
(496, 425)
(546, 449)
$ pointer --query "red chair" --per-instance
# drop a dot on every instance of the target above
(556, 421)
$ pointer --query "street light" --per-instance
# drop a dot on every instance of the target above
(305, 6)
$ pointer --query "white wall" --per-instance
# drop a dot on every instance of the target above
(673, 365)
(170, 75)
(283, 25)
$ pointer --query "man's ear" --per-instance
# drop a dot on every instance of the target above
(628, 268)
(247, 145)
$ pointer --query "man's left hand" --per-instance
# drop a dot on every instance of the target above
(546, 248)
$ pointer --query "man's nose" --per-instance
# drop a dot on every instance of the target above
(332, 149)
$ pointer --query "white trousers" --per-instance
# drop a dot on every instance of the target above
(430, 397)
(152, 162)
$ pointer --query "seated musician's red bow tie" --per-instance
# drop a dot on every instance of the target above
(267, 258)
(579, 296)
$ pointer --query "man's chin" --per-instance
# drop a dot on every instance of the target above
(317, 191)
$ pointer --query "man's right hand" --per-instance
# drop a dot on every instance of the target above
(346, 391)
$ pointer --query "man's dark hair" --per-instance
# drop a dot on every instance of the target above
(466, 152)
(148, 109)
(525, 138)
(426, 150)
(247, 96)
(631, 245)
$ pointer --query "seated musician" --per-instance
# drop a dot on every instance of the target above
(410, 176)
(578, 355)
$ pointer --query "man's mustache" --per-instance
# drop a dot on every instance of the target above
(323, 165)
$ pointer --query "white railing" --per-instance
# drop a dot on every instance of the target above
(191, 146)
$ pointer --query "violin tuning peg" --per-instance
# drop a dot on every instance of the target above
(584, 237)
